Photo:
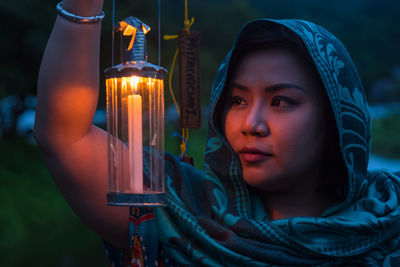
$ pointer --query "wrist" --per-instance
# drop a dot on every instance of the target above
(83, 8)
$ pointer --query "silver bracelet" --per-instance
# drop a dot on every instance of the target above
(76, 18)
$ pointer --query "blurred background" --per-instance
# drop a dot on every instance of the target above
(37, 227)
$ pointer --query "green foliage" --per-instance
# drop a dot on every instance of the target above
(37, 227)
(385, 136)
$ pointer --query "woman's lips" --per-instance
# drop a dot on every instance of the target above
(253, 155)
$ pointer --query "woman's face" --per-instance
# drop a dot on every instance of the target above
(275, 121)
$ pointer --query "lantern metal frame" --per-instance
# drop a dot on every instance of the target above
(122, 82)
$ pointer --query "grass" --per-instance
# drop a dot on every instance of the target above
(386, 136)
(38, 228)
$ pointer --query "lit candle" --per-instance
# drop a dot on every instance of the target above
(135, 143)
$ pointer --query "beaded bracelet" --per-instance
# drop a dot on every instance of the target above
(76, 18)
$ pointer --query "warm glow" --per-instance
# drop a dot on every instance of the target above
(135, 122)
(134, 80)
(135, 143)
(131, 85)
(124, 87)
(145, 29)
(127, 29)
(151, 82)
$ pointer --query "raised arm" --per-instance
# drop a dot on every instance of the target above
(75, 151)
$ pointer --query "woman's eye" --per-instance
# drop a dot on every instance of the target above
(282, 102)
(237, 100)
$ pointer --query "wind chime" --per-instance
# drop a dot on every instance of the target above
(135, 113)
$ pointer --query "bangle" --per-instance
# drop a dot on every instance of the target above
(76, 18)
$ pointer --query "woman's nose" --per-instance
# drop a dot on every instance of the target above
(255, 123)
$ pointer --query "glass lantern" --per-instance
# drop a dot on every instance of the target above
(135, 122)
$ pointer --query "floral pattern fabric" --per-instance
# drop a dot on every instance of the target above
(145, 247)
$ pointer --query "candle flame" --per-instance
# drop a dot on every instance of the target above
(134, 81)
(124, 86)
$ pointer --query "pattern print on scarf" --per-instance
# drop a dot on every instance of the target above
(213, 218)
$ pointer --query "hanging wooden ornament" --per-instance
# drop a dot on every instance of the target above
(189, 75)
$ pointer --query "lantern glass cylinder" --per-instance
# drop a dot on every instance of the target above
(135, 126)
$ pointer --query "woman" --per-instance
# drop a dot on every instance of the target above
(285, 178)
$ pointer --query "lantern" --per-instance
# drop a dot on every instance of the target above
(135, 122)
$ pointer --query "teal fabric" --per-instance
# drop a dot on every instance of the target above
(214, 219)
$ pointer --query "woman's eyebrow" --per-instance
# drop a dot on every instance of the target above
(281, 86)
(272, 88)
(239, 86)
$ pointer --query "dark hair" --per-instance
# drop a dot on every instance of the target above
(271, 36)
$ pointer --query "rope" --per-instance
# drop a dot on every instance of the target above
(185, 140)
(187, 23)
(185, 131)
(183, 145)
(170, 81)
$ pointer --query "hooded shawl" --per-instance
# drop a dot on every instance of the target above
(212, 218)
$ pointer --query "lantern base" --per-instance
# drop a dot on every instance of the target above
(136, 200)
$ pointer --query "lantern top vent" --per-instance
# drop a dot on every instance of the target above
(133, 51)
(133, 39)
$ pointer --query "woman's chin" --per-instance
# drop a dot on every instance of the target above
(262, 181)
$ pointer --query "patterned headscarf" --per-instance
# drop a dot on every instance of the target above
(214, 219)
